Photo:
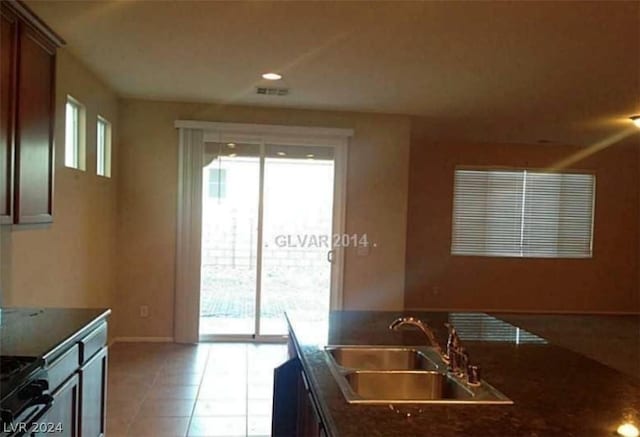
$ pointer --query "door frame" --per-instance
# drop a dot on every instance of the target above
(193, 135)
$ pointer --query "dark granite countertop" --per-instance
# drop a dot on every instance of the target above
(42, 333)
(556, 392)
(613, 340)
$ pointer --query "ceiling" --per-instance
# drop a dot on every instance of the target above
(511, 71)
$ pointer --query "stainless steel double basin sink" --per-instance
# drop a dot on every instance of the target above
(399, 375)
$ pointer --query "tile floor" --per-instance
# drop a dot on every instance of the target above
(216, 389)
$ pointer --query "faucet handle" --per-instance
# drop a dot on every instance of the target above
(465, 360)
(473, 376)
(453, 340)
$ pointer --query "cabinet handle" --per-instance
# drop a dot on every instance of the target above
(46, 399)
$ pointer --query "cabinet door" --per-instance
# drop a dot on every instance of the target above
(8, 40)
(93, 383)
(309, 422)
(33, 198)
(62, 417)
(285, 399)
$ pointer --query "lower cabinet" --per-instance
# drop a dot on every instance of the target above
(295, 410)
(309, 421)
(78, 384)
(62, 417)
(93, 383)
(284, 419)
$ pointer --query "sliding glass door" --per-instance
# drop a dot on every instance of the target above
(230, 193)
(267, 219)
(298, 211)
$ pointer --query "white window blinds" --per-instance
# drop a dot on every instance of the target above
(481, 327)
(522, 213)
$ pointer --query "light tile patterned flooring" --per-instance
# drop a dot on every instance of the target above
(215, 389)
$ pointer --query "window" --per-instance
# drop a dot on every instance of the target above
(217, 183)
(74, 144)
(103, 147)
(523, 213)
(482, 327)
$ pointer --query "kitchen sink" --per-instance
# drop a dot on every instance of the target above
(399, 375)
(406, 386)
(414, 386)
(380, 358)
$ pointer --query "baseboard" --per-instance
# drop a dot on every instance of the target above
(142, 340)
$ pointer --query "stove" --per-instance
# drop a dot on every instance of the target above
(15, 371)
(24, 394)
(10, 367)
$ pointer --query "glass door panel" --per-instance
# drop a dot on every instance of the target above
(297, 226)
(230, 198)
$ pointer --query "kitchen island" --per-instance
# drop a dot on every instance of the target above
(53, 368)
(555, 392)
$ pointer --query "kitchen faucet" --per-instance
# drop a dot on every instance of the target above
(459, 361)
(426, 330)
(456, 357)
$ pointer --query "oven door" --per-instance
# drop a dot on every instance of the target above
(61, 416)
(23, 422)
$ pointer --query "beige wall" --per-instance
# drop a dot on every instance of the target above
(70, 262)
(376, 204)
(606, 283)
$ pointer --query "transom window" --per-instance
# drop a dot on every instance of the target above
(74, 147)
(103, 147)
(523, 213)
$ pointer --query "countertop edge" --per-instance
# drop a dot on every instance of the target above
(327, 420)
(63, 345)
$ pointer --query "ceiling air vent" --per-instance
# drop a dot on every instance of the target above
(272, 91)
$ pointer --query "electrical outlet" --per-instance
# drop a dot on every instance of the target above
(144, 311)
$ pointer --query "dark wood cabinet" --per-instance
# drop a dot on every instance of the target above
(93, 383)
(33, 198)
(62, 418)
(309, 423)
(8, 41)
(285, 399)
(77, 376)
(28, 116)
(295, 410)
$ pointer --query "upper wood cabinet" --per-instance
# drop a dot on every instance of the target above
(27, 81)
(8, 40)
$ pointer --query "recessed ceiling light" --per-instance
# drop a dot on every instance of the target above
(635, 119)
(231, 145)
(272, 76)
(310, 155)
(232, 155)
(282, 154)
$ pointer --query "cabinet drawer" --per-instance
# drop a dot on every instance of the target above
(93, 342)
(63, 367)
